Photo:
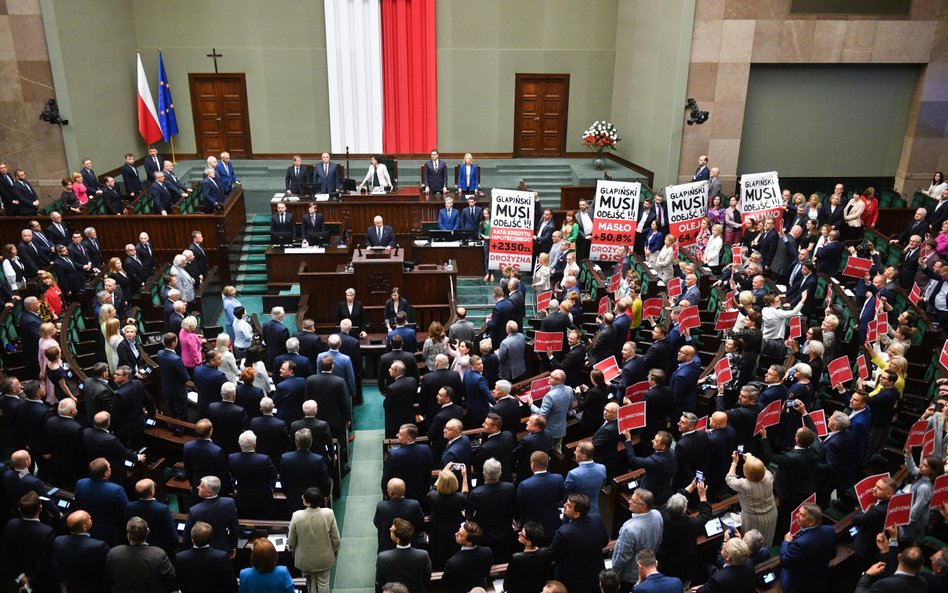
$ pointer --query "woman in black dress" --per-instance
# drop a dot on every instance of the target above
(447, 512)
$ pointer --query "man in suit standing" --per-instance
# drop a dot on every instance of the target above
(26, 197)
(396, 507)
(275, 335)
(254, 473)
(907, 577)
(402, 563)
(18, 480)
(497, 444)
(830, 254)
(766, 243)
(229, 420)
(27, 548)
(314, 541)
(138, 567)
(202, 569)
(152, 163)
(538, 496)
(303, 470)
(290, 394)
(919, 226)
(572, 360)
(659, 354)
(202, 457)
(304, 367)
(650, 580)
(406, 333)
(909, 267)
(326, 175)
(160, 195)
(111, 198)
(684, 381)
(400, 398)
(633, 369)
(640, 533)
(128, 408)
(282, 226)
(6, 190)
(130, 179)
(471, 216)
(80, 558)
(577, 545)
(691, 450)
(660, 466)
(208, 380)
(313, 223)
(11, 438)
(294, 177)
(161, 531)
(870, 523)
(458, 448)
(342, 365)
(98, 442)
(588, 477)
(226, 174)
(410, 462)
(556, 405)
(321, 433)
(433, 381)
(29, 329)
(449, 218)
(606, 439)
(702, 173)
(211, 191)
(145, 254)
(470, 566)
(174, 378)
(435, 175)
(332, 404)
(90, 179)
(536, 439)
(436, 424)
(737, 574)
(173, 184)
(219, 512)
(58, 232)
(543, 239)
(380, 234)
(796, 475)
(511, 354)
(502, 312)
(64, 434)
(103, 500)
(491, 504)
(805, 557)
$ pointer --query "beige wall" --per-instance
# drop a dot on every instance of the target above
(763, 31)
(26, 142)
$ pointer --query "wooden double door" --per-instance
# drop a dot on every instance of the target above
(221, 118)
(540, 115)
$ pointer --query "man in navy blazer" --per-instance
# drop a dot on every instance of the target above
(458, 449)
(229, 420)
(908, 577)
(290, 394)
(29, 326)
(219, 512)
(130, 178)
(326, 175)
(702, 173)
(202, 457)
(650, 580)
(282, 226)
(588, 477)
(98, 442)
(212, 191)
(684, 381)
(868, 311)
(805, 557)
(174, 378)
(202, 569)
(80, 558)
(577, 546)
(396, 507)
(161, 198)
(502, 312)
(27, 545)
(379, 234)
(829, 255)
(253, 474)
(303, 469)
(497, 444)
(161, 530)
(660, 467)
(539, 496)
(411, 462)
(103, 500)
(226, 174)
(128, 408)
(536, 439)
(18, 480)
(471, 216)
(208, 381)
(449, 218)
(737, 574)
(435, 175)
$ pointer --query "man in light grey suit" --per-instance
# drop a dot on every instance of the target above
(461, 329)
(314, 541)
(511, 354)
(556, 405)
(185, 280)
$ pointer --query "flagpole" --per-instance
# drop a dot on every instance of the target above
(173, 161)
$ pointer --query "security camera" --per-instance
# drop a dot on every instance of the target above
(697, 116)
(50, 113)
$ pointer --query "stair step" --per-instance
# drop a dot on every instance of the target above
(252, 278)
(257, 239)
(253, 268)
(256, 258)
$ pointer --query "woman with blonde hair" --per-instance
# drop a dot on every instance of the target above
(436, 343)
(447, 512)
(665, 262)
(47, 340)
(230, 303)
(106, 312)
(228, 362)
(56, 373)
(541, 277)
(755, 492)
(712, 252)
(190, 342)
(82, 193)
(113, 338)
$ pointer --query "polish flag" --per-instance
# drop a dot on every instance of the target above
(147, 114)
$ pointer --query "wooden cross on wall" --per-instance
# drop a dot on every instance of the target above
(215, 55)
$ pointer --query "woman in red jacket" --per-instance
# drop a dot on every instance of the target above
(871, 212)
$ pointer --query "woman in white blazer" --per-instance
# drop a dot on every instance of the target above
(375, 167)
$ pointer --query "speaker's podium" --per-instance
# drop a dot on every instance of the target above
(373, 274)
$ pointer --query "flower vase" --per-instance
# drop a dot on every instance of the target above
(599, 162)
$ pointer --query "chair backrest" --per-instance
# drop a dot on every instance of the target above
(391, 163)
(457, 173)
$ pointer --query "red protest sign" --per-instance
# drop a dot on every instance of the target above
(609, 367)
(652, 308)
(674, 287)
(857, 267)
(840, 371)
(819, 420)
(900, 510)
(943, 359)
(543, 300)
(636, 393)
(768, 416)
(688, 319)
(882, 322)
(872, 331)
(928, 443)
(702, 423)
(632, 416)
(862, 367)
(544, 341)
(916, 294)
(796, 327)
(538, 389)
(726, 320)
(794, 523)
(614, 281)
(604, 305)
(722, 370)
(737, 255)
(829, 297)
(916, 435)
(864, 491)
(729, 298)
(940, 491)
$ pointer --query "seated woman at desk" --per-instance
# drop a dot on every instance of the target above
(392, 307)
(468, 181)
(377, 175)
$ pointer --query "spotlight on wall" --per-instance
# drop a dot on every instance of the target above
(697, 116)
(50, 113)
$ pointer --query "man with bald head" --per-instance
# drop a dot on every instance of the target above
(326, 175)
(684, 381)
(161, 531)
(98, 442)
(396, 507)
(18, 480)
(555, 406)
(80, 557)
(722, 441)
(433, 381)
(64, 434)
(103, 500)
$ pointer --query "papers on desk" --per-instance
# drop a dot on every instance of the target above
(278, 541)
(304, 250)
(378, 190)
(713, 527)
(321, 197)
(283, 198)
(193, 397)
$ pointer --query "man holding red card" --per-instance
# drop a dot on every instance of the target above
(870, 522)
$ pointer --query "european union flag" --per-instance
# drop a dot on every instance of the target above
(166, 118)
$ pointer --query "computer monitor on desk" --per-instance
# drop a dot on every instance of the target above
(444, 236)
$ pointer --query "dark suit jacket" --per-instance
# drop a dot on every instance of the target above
(730, 579)
(869, 525)
(133, 184)
(357, 317)
(577, 553)
(805, 560)
(467, 569)
(205, 570)
(152, 165)
(65, 443)
(304, 367)
(544, 240)
(796, 475)
(300, 470)
(407, 566)
(458, 451)
(294, 181)
(828, 258)
(603, 344)
(128, 418)
(385, 363)
(272, 437)
(571, 364)
(511, 411)
(502, 312)
(248, 397)
(491, 505)
(909, 268)
(25, 193)
(229, 421)
(436, 180)
(147, 256)
(436, 428)
(533, 441)
(173, 375)
(431, 383)
(527, 572)
(139, 568)
(329, 392)
(479, 398)
(538, 499)
(322, 435)
(372, 237)
(289, 397)
(254, 474)
(411, 463)
(31, 419)
(161, 197)
(768, 247)
(162, 532)
(285, 231)
(396, 508)
(207, 383)
(204, 458)
(834, 218)
(106, 502)
(660, 468)
(100, 443)
(660, 355)
(311, 227)
(275, 336)
(27, 549)
(212, 193)
(327, 182)
(499, 446)
(399, 404)
(221, 513)
(897, 583)
(80, 563)
(691, 453)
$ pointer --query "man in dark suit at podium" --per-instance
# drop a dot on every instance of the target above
(294, 177)
(471, 216)
(380, 234)
(326, 175)
(435, 175)
(282, 226)
(312, 224)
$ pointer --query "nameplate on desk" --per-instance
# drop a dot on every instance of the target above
(283, 198)
(446, 244)
(378, 191)
(321, 197)
(304, 250)
(426, 267)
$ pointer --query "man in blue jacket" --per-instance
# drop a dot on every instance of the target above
(449, 218)
(684, 381)
(805, 557)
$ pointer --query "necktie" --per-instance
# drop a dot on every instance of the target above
(326, 168)
(281, 219)
(60, 227)
(379, 231)
(375, 176)
(34, 248)
(157, 166)
(212, 181)
(313, 218)
(296, 171)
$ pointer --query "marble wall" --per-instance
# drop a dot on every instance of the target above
(730, 35)
(26, 142)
